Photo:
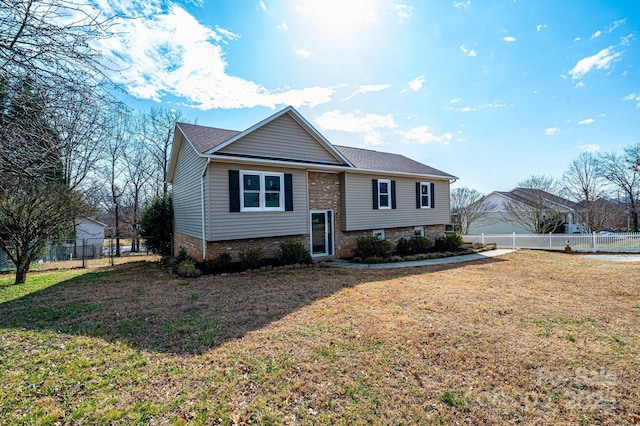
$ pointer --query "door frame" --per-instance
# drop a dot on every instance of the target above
(329, 242)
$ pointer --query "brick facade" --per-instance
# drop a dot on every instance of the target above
(346, 241)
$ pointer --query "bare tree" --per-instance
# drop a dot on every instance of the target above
(114, 168)
(536, 206)
(623, 172)
(50, 78)
(156, 129)
(137, 176)
(584, 183)
(468, 206)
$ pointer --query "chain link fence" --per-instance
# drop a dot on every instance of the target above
(85, 253)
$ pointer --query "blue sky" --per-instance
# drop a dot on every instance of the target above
(489, 91)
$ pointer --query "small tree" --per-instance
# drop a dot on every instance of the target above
(156, 222)
(469, 206)
(33, 212)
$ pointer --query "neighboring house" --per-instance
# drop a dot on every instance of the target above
(500, 221)
(281, 179)
(91, 232)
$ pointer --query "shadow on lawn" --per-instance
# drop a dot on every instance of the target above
(141, 305)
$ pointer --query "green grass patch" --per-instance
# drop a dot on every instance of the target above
(35, 281)
(454, 399)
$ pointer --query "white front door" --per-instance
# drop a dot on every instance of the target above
(321, 233)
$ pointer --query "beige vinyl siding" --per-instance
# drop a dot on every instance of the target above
(225, 225)
(187, 206)
(360, 214)
(282, 138)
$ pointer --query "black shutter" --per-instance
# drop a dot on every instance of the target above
(393, 194)
(234, 191)
(288, 192)
(418, 203)
(374, 187)
(433, 195)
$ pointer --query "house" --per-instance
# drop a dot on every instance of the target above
(89, 232)
(523, 210)
(282, 180)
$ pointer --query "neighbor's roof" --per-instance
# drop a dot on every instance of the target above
(204, 138)
(531, 195)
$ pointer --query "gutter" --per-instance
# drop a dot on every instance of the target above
(204, 225)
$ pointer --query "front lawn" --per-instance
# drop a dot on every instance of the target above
(530, 337)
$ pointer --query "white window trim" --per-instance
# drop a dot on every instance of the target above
(378, 232)
(418, 231)
(428, 185)
(261, 198)
(388, 193)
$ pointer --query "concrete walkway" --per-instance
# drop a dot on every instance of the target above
(339, 263)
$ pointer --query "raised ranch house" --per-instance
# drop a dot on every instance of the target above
(281, 179)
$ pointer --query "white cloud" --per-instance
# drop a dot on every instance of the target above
(416, 83)
(467, 109)
(262, 5)
(635, 97)
(403, 11)
(601, 60)
(551, 131)
(609, 29)
(589, 148)
(367, 89)
(164, 60)
(455, 100)
(577, 39)
(282, 27)
(626, 40)
(586, 121)
(540, 27)
(469, 52)
(302, 52)
(366, 125)
(462, 4)
(579, 85)
(509, 39)
(423, 135)
(595, 35)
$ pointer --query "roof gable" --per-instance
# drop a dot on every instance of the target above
(285, 135)
(204, 138)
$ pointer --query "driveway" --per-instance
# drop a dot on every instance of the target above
(614, 257)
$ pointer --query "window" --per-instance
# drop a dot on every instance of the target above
(418, 231)
(261, 191)
(384, 194)
(423, 195)
(379, 233)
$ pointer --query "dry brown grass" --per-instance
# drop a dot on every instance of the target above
(530, 338)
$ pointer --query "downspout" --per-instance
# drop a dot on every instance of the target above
(204, 225)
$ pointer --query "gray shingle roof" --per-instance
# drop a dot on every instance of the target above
(204, 138)
(384, 161)
(532, 196)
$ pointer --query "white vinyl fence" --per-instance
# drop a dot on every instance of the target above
(582, 242)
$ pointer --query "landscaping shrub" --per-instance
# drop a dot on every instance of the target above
(371, 246)
(449, 241)
(414, 245)
(156, 222)
(292, 252)
(187, 269)
(219, 264)
(251, 258)
(374, 259)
